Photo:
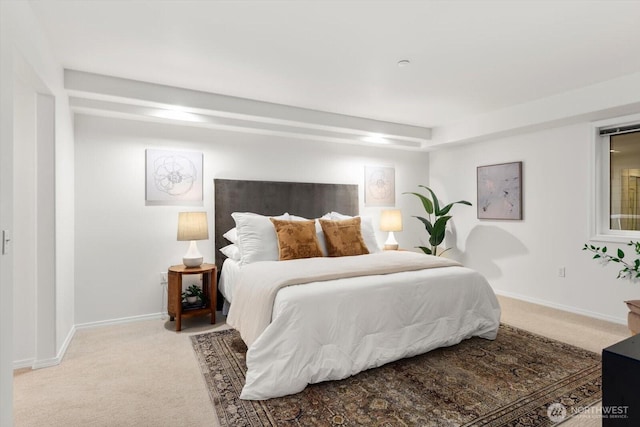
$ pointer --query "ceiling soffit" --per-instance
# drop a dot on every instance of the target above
(103, 95)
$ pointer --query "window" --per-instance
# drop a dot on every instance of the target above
(617, 180)
(624, 181)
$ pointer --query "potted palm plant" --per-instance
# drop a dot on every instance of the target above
(436, 221)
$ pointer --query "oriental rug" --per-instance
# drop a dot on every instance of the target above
(511, 381)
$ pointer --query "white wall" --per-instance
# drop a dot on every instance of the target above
(521, 258)
(34, 301)
(26, 54)
(24, 248)
(122, 245)
(6, 217)
(45, 196)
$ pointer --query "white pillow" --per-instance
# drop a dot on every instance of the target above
(231, 235)
(257, 238)
(366, 228)
(338, 216)
(231, 251)
(320, 234)
(297, 218)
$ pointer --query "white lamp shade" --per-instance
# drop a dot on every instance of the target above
(391, 220)
(193, 226)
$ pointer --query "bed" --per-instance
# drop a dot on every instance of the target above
(310, 320)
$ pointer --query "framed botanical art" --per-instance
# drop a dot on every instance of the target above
(173, 177)
(500, 191)
(379, 186)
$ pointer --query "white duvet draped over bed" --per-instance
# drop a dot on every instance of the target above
(260, 282)
(331, 328)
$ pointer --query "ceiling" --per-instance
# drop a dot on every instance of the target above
(467, 57)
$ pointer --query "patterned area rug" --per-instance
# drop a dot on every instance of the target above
(507, 382)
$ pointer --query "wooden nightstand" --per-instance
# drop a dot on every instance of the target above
(209, 287)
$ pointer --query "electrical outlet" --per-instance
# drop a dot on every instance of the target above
(561, 272)
(164, 279)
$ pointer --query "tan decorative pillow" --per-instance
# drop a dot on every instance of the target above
(344, 237)
(297, 239)
(634, 305)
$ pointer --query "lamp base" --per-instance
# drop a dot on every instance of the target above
(391, 244)
(193, 257)
(192, 262)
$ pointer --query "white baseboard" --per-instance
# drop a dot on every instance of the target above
(46, 363)
(25, 363)
(153, 316)
(65, 344)
(37, 364)
(620, 321)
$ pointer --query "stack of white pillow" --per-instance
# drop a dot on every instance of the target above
(254, 237)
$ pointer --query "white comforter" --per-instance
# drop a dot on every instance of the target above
(334, 329)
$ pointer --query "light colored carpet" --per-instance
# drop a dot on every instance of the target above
(145, 374)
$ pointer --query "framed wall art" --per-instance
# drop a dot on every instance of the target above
(379, 186)
(173, 177)
(500, 191)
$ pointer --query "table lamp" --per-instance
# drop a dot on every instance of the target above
(192, 226)
(391, 220)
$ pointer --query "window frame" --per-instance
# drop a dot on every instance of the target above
(600, 224)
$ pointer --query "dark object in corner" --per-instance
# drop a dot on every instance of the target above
(620, 383)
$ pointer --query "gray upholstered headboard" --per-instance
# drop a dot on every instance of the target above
(273, 198)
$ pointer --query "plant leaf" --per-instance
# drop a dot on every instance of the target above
(425, 249)
(428, 206)
(620, 253)
(440, 254)
(427, 224)
(436, 205)
(447, 208)
(439, 228)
